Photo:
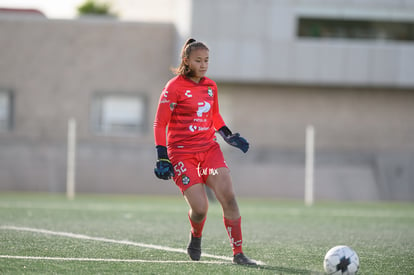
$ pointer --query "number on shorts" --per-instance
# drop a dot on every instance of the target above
(179, 168)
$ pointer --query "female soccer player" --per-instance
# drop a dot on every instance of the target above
(188, 105)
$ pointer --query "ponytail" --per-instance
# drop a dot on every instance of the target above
(189, 45)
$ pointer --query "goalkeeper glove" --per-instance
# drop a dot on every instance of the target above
(234, 139)
(163, 168)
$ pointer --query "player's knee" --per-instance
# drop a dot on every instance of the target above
(199, 212)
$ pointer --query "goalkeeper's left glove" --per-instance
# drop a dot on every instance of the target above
(234, 139)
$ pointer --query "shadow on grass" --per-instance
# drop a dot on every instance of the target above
(285, 270)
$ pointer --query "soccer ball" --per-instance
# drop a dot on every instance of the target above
(341, 259)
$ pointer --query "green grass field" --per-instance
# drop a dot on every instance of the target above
(100, 234)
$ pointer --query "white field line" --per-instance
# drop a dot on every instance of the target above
(124, 242)
(105, 260)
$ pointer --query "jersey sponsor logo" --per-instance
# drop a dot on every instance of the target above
(194, 128)
(200, 119)
(188, 93)
(203, 107)
(203, 128)
(206, 171)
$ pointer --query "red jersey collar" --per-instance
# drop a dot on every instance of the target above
(189, 79)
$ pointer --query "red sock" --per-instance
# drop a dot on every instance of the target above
(197, 228)
(233, 228)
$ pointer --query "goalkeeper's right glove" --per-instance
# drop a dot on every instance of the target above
(163, 168)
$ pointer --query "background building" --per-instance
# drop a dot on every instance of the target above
(344, 67)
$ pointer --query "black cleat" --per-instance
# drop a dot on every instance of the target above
(242, 260)
(194, 248)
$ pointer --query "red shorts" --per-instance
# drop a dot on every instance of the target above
(190, 169)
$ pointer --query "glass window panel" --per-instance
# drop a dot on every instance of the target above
(355, 29)
(5, 110)
(118, 114)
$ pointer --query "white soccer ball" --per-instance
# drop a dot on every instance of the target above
(340, 260)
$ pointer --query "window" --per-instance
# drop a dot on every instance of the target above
(5, 110)
(355, 29)
(118, 113)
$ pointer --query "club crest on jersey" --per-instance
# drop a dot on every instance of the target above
(185, 179)
(172, 106)
(210, 91)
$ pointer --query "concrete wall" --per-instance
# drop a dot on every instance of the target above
(53, 69)
(364, 140)
(344, 118)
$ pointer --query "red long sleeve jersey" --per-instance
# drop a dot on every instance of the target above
(191, 112)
